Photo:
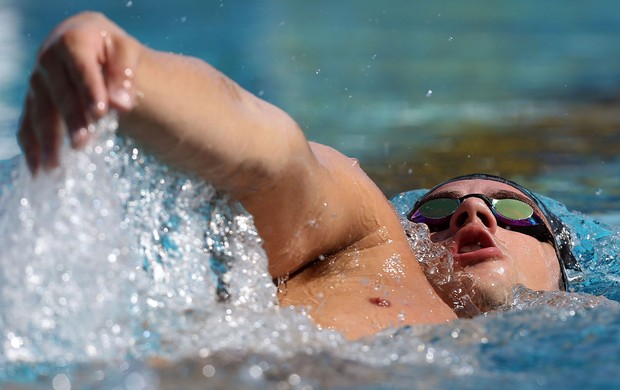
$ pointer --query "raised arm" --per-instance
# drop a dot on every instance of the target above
(306, 198)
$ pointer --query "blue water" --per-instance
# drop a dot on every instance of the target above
(393, 84)
(124, 278)
(95, 309)
(380, 81)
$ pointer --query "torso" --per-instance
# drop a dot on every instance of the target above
(361, 291)
(325, 204)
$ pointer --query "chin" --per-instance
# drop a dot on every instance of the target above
(490, 292)
(491, 298)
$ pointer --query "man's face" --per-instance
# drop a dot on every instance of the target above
(491, 258)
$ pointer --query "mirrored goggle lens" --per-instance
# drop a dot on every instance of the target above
(512, 209)
(438, 208)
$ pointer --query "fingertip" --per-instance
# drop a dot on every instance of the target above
(122, 98)
(50, 159)
(98, 109)
(32, 161)
(79, 137)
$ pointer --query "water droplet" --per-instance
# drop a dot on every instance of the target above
(256, 372)
(208, 371)
(294, 380)
(136, 381)
(282, 284)
(61, 382)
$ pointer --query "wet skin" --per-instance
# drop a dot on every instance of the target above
(326, 226)
(493, 259)
(308, 200)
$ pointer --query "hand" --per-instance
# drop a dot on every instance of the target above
(83, 69)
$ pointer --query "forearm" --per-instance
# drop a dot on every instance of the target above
(197, 119)
(306, 202)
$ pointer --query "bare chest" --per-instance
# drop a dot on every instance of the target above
(360, 296)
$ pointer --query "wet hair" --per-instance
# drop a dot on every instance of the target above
(562, 240)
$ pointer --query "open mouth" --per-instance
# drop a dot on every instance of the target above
(474, 244)
(470, 248)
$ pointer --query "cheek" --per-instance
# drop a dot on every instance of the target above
(533, 262)
(553, 267)
(540, 267)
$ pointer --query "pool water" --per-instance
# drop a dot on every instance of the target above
(417, 94)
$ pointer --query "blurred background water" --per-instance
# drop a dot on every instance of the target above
(417, 90)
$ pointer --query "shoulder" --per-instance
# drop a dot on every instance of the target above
(366, 218)
(322, 205)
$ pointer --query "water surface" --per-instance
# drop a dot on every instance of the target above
(418, 92)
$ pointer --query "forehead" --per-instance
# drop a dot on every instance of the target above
(479, 186)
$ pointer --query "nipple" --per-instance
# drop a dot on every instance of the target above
(379, 302)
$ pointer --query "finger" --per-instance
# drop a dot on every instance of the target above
(119, 73)
(45, 122)
(86, 76)
(28, 141)
(64, 95)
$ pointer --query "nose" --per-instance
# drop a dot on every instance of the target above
(473, 210)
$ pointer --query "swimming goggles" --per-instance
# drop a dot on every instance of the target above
(511, 214)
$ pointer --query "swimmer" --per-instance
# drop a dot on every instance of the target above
(327, 228)
(499, 235)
